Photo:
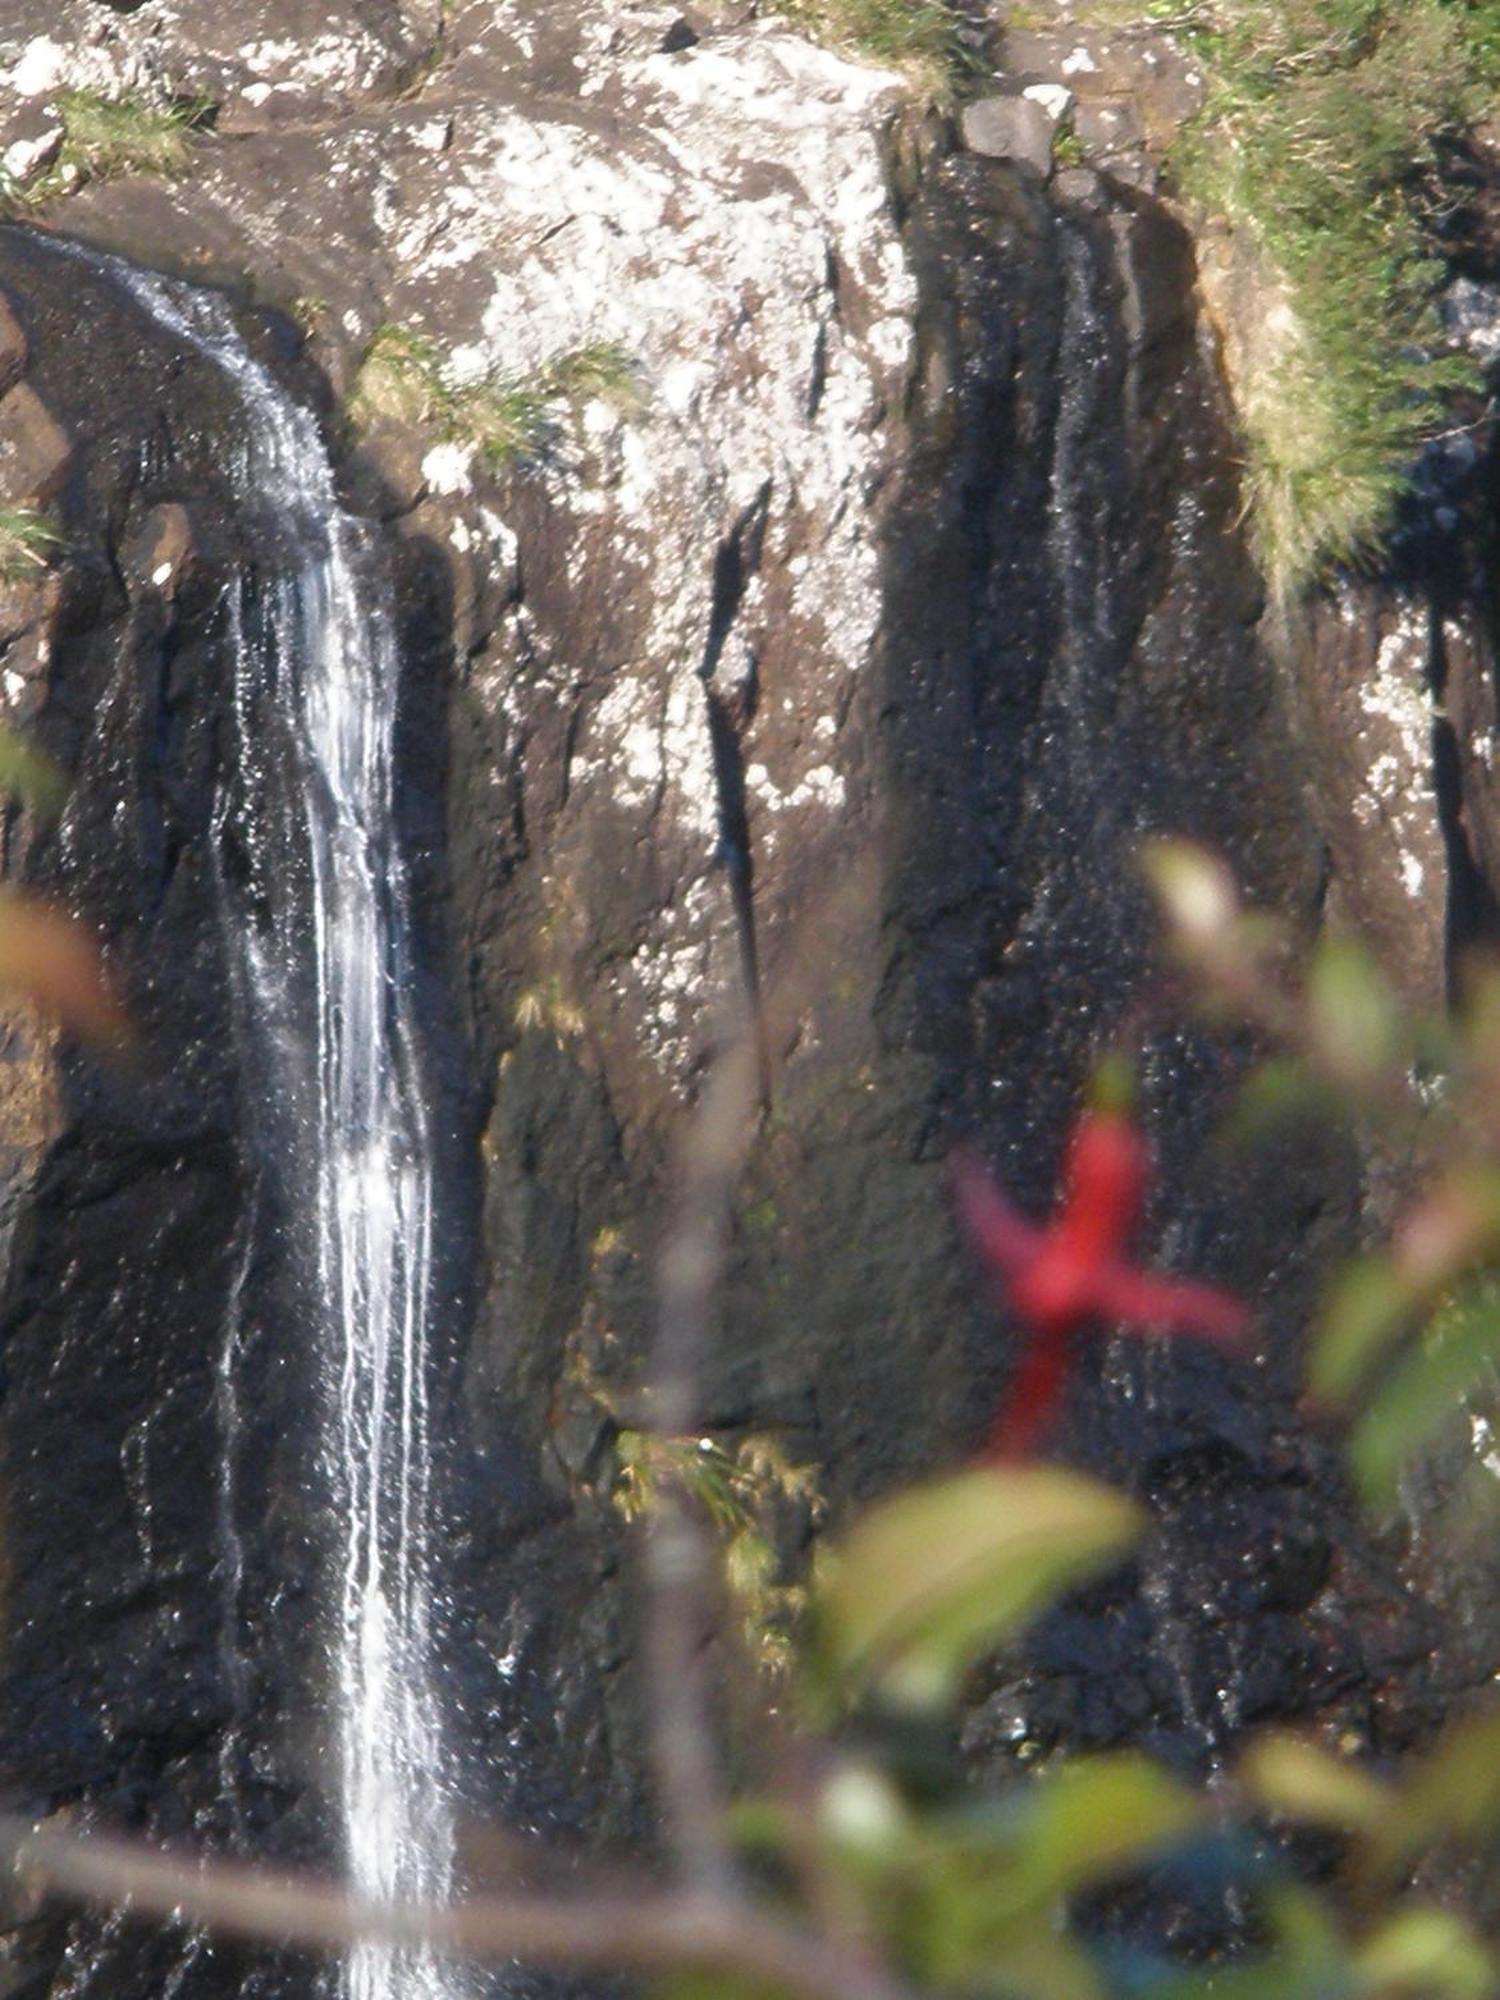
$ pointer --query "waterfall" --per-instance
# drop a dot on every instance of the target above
(323, 984)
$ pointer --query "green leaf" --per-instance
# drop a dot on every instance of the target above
(1454, 1356)
(1427, 1951)
(1033, 1959)
(1297, 1778)
(1351, 1014)
(1362, 1317)
(930, 1580)
(1307, 1959)
(1278, 1092)
(1453, 1794)
(28, 775)
(1098, 1817)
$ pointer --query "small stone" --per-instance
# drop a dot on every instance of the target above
(1010, 128)
(1079, 187)
(43, 66)
(1027, 52)
(1107, 128)
(35, 451)
(30, 141)
(1055, 99)
(681, 35)
(434, 137)
(161, 550)
(707, 17)
(1136, 170)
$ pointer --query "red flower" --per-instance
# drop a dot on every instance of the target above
(1075, 1269)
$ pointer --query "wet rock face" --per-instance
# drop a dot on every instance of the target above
(854, 649)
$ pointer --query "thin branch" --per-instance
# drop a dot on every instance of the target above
(650, 1931)
(679, 1563)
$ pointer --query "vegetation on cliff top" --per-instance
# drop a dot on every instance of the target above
(1322, 137)
(107, 137)
(920, 38)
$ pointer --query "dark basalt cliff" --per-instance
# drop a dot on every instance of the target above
(906, 597)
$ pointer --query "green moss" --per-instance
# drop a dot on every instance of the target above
(919, 37)
(27, 540)
(1068, 149)
(1319, 138)
(741, 1491)
(405, 376)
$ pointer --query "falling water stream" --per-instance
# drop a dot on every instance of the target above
(324, 984)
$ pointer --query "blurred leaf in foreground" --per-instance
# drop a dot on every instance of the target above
(1454, 1793)
(1096, 1818)
(29, 775)
(1429, 1952)
(930, 1580)
(51, 959)
(1298, 1779)
(1455, 1355)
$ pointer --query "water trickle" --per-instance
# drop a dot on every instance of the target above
(319, 960)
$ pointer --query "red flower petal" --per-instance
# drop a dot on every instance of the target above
(1005, 1240)
(1143, 1302)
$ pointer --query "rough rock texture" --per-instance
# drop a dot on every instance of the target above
(855, 648)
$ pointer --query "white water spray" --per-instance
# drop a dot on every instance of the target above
(314, 650)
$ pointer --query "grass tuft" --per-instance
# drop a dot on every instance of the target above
(106, 138)
(920, 38)
(1320, 138)
(505, 418)
(27, 540)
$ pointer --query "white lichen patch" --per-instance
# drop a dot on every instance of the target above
(1398, 694)
(1397, 789)
(448, 468)
(738, 244)
(162, 47)
(44, 64)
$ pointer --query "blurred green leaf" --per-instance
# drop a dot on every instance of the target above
(28, 775)
(1363, 1315)
(1034, 1959)
(1097, 1817)
(928, 1581)
(1299, 1779)
(1351, 1014)
(1427, 1951)
(1280, 1091)
(1454, 1356)
(1306, 1959)
(1454, 1793)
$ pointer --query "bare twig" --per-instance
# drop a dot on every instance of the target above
(679, 1561)
(651, 1931)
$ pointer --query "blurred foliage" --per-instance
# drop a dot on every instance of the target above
(956, 1894)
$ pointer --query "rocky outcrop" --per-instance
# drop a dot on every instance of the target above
(862, 632)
